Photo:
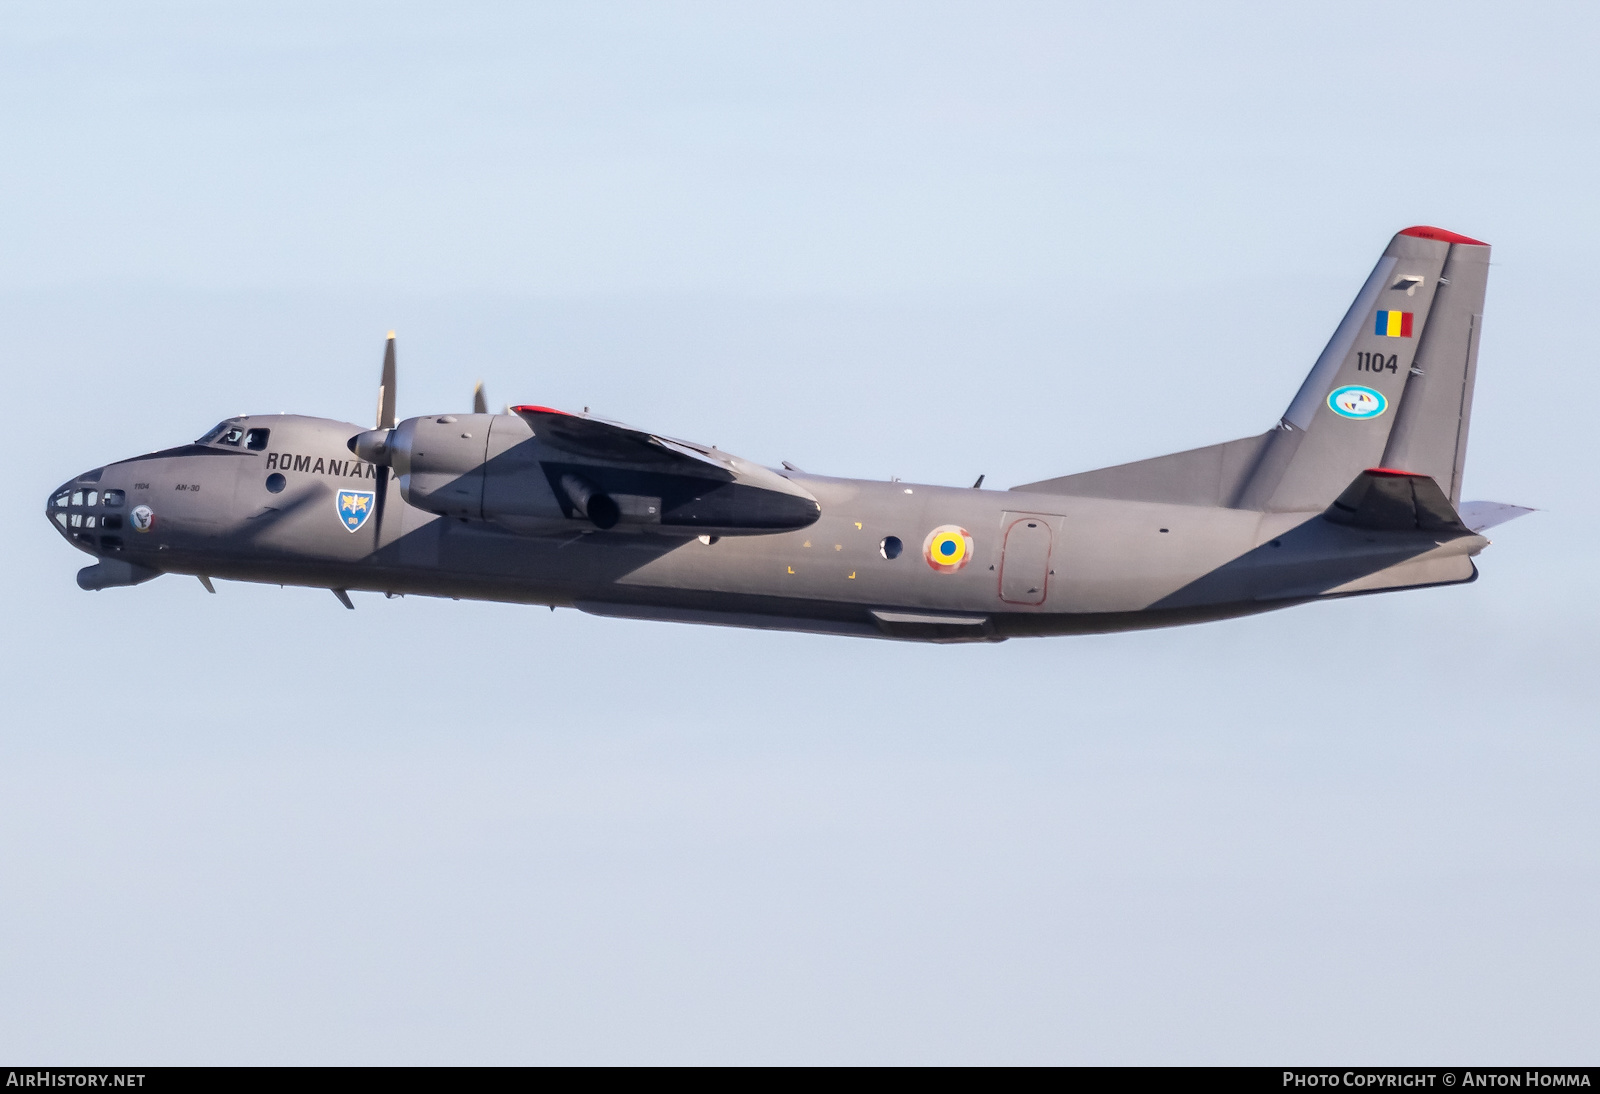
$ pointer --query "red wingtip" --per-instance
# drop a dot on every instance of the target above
(1423, 231)
(540, 410)
(1395, 473)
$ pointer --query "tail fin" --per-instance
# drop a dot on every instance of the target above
(1392, 389)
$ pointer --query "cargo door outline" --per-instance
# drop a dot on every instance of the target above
(1025, 559)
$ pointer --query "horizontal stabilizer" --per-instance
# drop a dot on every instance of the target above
(1395, 501)
(1480, 515)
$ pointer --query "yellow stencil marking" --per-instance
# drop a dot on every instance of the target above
(791, 569)
(858, 526)
(852, 575)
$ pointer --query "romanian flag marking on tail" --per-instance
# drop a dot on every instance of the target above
(1393, 324)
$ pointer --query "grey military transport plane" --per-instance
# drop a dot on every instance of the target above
(1355, 490)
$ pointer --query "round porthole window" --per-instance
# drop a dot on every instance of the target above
(891, 547)
(276, 483)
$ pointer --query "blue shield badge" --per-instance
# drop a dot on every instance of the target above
(355, 506)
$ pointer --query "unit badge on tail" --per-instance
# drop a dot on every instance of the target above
(1358, 402)
(355, 506)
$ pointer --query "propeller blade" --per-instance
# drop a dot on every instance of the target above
(380, 486)
(480, 403)
(386, 387)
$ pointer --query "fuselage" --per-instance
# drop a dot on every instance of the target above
(282, 504)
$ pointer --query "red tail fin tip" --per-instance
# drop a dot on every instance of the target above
(1423, 231)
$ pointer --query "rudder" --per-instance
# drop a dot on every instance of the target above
(1430, 431)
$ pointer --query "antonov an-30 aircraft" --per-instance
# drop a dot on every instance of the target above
(1355, 490)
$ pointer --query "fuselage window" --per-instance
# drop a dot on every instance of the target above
(256, 439)
(111, 520)
(114, 498)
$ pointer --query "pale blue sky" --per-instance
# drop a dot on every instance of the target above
(917, 240)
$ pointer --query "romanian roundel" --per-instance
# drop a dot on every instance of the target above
(947, 548)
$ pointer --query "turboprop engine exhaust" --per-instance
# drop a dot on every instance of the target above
(600, 509)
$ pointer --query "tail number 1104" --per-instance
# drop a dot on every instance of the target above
(1377, 362)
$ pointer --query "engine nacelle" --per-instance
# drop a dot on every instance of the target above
(492, 467)
(438, 462)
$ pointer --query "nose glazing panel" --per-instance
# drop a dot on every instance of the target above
(90, 518)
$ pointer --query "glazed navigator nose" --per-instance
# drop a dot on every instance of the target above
(91, 518)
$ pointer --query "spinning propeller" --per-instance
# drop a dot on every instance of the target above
(386, 390)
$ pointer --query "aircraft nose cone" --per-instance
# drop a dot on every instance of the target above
(78, 508)
(57, 507)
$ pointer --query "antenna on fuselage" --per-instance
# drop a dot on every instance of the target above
(480, 402)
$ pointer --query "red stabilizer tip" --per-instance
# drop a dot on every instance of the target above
(1395, 473)
(541, 410)
(1423, 231)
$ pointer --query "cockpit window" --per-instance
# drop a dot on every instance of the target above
(256, 439)
(114, 498)
(77, 497)
(225, 433)
(94, 498)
